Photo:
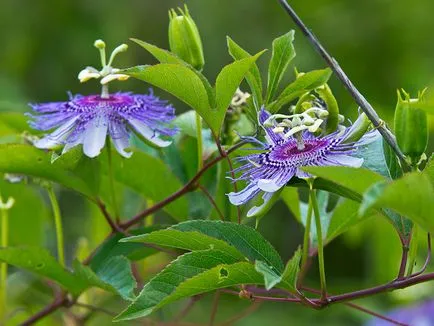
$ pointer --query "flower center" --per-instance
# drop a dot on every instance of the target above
(289, 150)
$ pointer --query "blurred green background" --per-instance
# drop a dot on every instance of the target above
(381, 44)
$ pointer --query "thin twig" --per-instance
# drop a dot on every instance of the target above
(404, 258)
(56, 304)
(94, 308)
(114, 226)
(358, 97)
(51, 308)
(189, 186)
(212, 201)
(357, 307)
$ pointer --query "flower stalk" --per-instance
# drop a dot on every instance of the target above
(199, 142)
(57, 223)
(314, 204)
(4, 208)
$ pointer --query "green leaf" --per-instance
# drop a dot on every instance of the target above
(112, 248)
(429, 169)
(13, 123)
(271, 278)
(179, 81)
(345, 216)
(196, 278)
(165, 56)
(28, 160)
(192, 241)
(156, 184)
(290, 274)
(228, 80)
(30, 210)
(39, 261)
(283, 53)
(163, 286)
(253, 77)
(247, 240)
(355, 179)
(411, 196)
(161, 55)
(291, 199)
(378, 157)
(392, 162)
(303, 84)
(114, 275)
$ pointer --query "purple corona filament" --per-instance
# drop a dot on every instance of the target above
(281, 160)
(87, 120)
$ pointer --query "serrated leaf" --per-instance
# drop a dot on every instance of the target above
(157, 184)
(411, 196)
(283, 53)
(303, 84)
(218, 277)
(112, 248)
(114, 275)
(271, 278)
(253, 77)
(162, 287)
(165, 56)
(39, 261)
(290, 274)
(245, 239)
(27, 160)
(179, 81)
(192, 241)
(227, 82)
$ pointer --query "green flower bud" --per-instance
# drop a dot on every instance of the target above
(184, 38)
(358, 129)
(411, 126)
(325, 93)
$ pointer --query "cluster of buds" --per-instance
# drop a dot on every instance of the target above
(107, 73)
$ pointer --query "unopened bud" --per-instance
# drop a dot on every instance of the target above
(184, 38)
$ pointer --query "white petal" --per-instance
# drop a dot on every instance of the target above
(268, 185)
(56, 137)
(95, 135)
(121, 144)
(345, 160)
(71, 145)
(241, 197)
(148, 133)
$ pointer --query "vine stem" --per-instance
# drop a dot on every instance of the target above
(306, 242)
(189, 186)
(58, 224)
(4, 266)
(357, 96)
(317, 215)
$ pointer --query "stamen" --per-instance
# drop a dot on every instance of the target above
(100, 45)
(119, 49)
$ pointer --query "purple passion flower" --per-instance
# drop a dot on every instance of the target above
(269, 171)
(418, 315)
(89, 119)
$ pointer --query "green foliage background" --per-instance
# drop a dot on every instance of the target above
(381, 44)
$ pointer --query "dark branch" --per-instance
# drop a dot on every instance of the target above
(358, 97)
(212, 201)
